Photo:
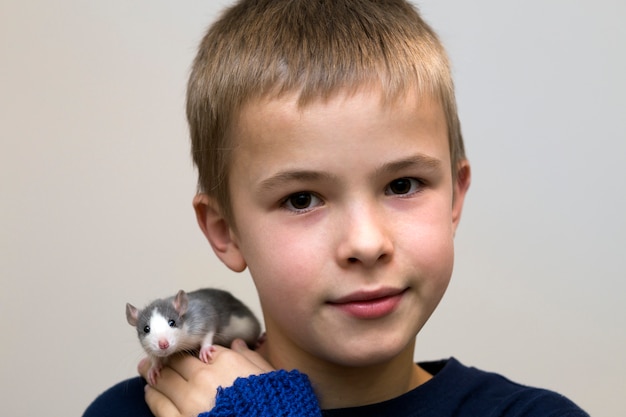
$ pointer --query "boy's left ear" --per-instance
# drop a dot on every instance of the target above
(463, 179)
(218, 232)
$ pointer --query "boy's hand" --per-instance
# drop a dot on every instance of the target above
(187, 386)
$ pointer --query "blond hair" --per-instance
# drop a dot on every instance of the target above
(264, 48)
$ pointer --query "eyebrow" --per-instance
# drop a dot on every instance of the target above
(418, 160)
(288, 176)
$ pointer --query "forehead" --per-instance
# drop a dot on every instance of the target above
(347, 118)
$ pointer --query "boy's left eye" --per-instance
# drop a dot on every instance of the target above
(403, 186)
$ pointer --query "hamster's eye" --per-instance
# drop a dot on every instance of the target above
(146, 329)
(171, 323)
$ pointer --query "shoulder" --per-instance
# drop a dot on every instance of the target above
(489, 393)
(124, 399)
(461, 391)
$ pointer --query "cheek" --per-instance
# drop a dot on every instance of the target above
(282, 266)
(286, 292)
(430, 247)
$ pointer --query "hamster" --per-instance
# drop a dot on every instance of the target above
(191, 322)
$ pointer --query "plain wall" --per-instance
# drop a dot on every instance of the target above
(96, 185)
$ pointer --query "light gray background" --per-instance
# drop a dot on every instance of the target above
(96, 187)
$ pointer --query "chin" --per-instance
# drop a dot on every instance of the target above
(366, 353)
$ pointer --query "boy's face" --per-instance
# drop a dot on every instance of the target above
(345, 218)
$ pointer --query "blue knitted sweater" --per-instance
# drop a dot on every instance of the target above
(278, 393)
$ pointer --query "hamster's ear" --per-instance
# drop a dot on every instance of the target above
(181, 301)
(132, 314)
(219, 232)
(463, 179)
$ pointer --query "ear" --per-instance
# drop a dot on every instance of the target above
(463, 179)
(219, 232)
(131, 314)
(181, 301)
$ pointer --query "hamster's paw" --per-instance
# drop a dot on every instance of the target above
(153, 374)
(206, 353)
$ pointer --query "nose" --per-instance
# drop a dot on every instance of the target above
(365, 237)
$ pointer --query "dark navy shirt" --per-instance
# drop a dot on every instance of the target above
(454, 391)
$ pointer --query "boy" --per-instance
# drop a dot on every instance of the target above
(331, 164)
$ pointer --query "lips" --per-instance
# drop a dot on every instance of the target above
(369, 304)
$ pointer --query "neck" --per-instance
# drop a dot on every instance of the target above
(338, 386)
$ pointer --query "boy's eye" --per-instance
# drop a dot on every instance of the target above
(403, 186)
(301, 201)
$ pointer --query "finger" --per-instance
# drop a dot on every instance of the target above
(254, 357)
(159, 404)
(188, 396)
(169, 378)
(143, 367)
(187, 365)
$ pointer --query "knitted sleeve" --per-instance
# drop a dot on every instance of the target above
(277, 393)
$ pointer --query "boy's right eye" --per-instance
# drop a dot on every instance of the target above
(301, 201)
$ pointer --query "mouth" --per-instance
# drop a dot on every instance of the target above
(160, 353)
(370, 304)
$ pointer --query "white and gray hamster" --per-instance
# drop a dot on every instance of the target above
(191, 322)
